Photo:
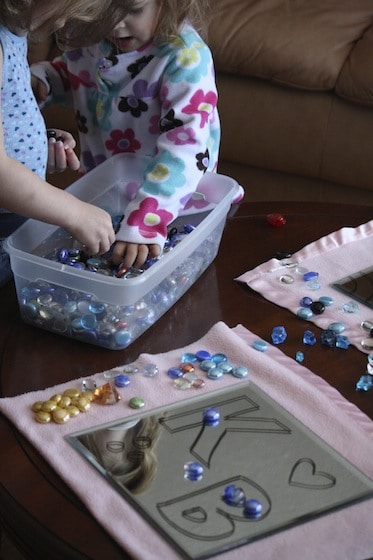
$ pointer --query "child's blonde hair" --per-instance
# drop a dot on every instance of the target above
(174, 12)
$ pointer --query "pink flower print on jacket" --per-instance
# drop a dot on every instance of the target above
(149, 219)
(202, 103)
(122, 141)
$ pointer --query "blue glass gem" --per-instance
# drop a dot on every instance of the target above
(309, 338)
(122, 338)
(337, 327)
(203, 355)
(253, 508)
(365, 383)
(233, 495)
(175, 372)
(207, 365)
(225, 367)
(211, 417)
(313, 284)
(306, 301)
(121, 380)
(299, 357)
(317, 307)
(310, 275)
(342, 341)
(240, 372)
(189, 358)
(193, 471)
(326, 300)
(278, 335)
(328, 338)
(219, 357)
(304, 313)
(260, 345)
(215, 373)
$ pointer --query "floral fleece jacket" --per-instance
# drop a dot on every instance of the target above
(160, 102)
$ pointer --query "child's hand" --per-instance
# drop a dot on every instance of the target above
(133, 254)
(39, 88)
(90, 225)
(61, 153)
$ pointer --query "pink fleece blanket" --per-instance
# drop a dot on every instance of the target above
(334, 256)
(343, 535)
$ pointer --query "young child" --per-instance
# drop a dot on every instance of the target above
(149, 89)
(24, 148)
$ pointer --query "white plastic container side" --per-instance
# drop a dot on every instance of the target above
(104, 310)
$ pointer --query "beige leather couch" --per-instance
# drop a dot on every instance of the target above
(295, 83)
(295, 80)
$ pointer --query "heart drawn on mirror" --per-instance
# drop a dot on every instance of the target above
(304, 475)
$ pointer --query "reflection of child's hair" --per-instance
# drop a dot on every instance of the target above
(131, 459)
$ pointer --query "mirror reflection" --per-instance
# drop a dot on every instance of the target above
(221, 470)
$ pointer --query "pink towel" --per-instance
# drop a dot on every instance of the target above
(334, 257)
(343, 535)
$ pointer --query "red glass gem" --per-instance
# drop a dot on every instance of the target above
(276, 219)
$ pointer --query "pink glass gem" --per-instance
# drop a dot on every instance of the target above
(276, 220)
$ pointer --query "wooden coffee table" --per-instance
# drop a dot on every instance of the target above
(38, 511)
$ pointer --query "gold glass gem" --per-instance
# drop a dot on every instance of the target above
(83, 404)
(48, 406)
(43, 417)
(60, 415)
(37, 406)
(72, 410)
(64, 402)
(56, 398)
(72, 393)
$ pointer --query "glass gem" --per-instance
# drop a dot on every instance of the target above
(260, 345)
(203, 355)
(215, 373)
(299, 357)
(328, 337)
(317, 307)
(367, 325)
(365, 383)
(253, 508)
(306, 301)
(309, 338)
(337, 327)
(326, 300)
(370, 359)
(226, 367)
(367, 343)
(175, 372)
(313, 285)
(106, 394)
(211, 417)
(130, 369)
(150, 370)
(240, 372)
(88, 385)
(304, 313)
(275, 219)
(219, 357)
(233, 495)
(286, 279)
(310, 275)
(207, 365)
(137, 402)
(193, 471)
(198, 383)
(186, 367)
(188, 357)
(122, 380)
(278, 335)
(350, 307)
(342, 341)
(182, 383)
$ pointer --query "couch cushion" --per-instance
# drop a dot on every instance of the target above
(298, 43)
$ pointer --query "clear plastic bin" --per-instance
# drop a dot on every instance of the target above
(104, 310)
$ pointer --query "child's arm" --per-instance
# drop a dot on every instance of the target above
(23, 192)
